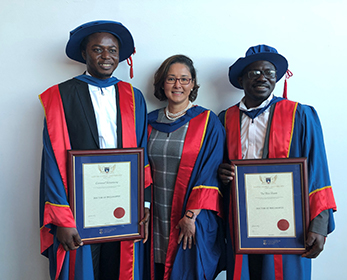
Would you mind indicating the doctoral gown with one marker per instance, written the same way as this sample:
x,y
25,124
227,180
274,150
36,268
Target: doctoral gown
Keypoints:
x,y
295,131
196,187
70,124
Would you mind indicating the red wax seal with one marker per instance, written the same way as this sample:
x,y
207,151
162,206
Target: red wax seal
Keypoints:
x,y
283,224
119,212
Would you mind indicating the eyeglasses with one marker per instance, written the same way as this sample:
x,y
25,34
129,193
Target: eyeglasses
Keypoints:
x,y
255,74
172,80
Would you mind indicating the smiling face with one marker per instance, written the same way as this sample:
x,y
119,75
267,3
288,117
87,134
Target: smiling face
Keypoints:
x,y
101,55
177,94
257,89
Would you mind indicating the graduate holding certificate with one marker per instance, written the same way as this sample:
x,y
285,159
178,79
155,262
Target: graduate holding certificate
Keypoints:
x,y
266,126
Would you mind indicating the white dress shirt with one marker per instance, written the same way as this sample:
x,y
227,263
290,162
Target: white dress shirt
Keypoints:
x,y
253,132
105,108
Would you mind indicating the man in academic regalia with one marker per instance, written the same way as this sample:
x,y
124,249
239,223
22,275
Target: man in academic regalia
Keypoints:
x,y
88,112
265,126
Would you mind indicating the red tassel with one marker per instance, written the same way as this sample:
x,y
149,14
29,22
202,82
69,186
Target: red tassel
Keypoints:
x,y
285,89
130,63
288,75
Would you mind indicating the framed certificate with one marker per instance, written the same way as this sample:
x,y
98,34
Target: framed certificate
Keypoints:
x,y
106,193
270,206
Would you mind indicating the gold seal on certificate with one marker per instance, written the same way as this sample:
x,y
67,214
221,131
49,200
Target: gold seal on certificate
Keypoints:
x,y
270,206
106,193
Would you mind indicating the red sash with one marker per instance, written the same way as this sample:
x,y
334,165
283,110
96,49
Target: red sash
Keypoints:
x,y
58,134
282,127
192,145
127,108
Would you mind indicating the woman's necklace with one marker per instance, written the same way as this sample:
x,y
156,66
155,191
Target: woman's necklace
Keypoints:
x,y
172,116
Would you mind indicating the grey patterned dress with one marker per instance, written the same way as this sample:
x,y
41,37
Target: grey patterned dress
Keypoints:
x,y
164,152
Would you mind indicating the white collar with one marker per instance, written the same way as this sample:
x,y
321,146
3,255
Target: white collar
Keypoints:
x,y
243,107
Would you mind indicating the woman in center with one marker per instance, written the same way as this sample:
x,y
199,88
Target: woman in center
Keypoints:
x,y
185,148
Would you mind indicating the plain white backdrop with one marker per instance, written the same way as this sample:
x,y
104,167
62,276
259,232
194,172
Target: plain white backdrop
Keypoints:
x,y
310,34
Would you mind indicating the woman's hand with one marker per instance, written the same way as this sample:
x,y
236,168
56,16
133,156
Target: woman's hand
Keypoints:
x,y
187,226
226,172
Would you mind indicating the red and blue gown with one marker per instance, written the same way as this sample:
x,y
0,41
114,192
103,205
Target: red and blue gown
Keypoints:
x,y
295,132
70,124
196,187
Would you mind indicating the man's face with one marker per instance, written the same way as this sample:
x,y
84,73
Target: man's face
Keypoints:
x,y
101,55
257,89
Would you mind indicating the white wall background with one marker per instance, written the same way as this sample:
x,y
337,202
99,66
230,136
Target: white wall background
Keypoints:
x,y
311,34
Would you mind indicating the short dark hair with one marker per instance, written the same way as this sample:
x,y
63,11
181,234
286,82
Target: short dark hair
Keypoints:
x,y
161,74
